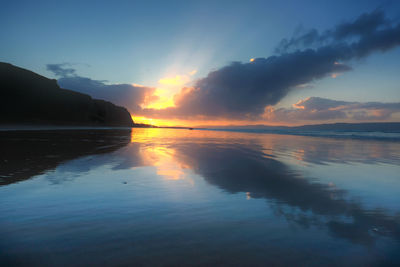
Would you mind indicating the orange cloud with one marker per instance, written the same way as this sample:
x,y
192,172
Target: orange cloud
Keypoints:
x,y
300,103
193,72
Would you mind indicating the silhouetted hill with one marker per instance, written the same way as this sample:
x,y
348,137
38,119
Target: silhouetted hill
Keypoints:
x,y
29,98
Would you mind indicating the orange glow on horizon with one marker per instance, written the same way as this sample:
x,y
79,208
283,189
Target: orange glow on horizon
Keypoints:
x,y
197,122
210,123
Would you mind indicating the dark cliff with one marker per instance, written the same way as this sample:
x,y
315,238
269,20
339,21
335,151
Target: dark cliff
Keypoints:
x,y
28,98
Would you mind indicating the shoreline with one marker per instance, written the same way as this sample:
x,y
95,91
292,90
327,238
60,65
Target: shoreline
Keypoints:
x,y
357,135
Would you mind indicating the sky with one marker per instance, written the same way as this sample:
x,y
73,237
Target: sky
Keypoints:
x,y
192,63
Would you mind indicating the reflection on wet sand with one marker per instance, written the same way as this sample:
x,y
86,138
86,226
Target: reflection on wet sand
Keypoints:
x,y
163,158
252,164
237,163
29,153
317,150
245,170
330,150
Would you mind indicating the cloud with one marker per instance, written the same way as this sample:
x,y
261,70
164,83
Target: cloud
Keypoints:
x,y
316,108
131,96
60,70
368,28
242,90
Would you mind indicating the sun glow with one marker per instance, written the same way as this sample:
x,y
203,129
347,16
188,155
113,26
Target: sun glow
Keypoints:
x,y
165,96
168,87
164,99
178,80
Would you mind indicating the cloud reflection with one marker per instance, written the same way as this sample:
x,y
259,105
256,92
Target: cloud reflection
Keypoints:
x,y
252,164
243,167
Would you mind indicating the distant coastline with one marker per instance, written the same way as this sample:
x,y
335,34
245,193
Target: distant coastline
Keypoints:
x,y
376,130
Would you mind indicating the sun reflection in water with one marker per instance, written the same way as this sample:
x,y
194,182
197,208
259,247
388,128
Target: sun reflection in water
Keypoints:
x,y
159,155
163,159
161,148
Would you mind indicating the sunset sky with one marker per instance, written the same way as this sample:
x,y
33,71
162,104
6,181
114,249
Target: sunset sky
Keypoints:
x,y
191,63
